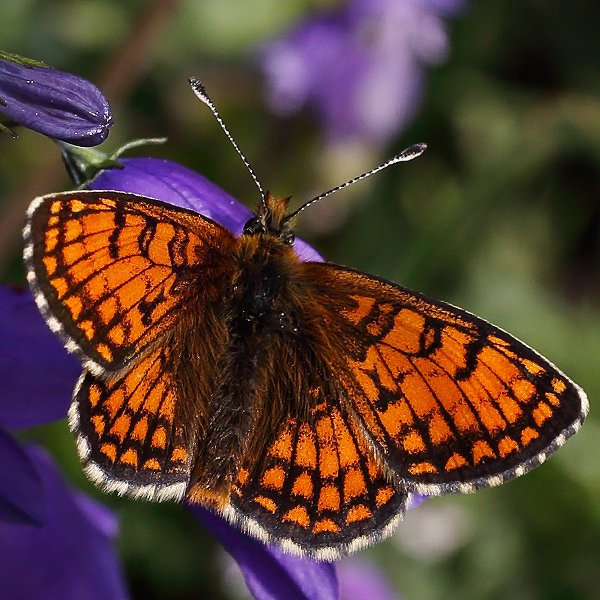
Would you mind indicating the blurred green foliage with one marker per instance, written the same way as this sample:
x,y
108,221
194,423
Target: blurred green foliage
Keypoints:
x,y
500,216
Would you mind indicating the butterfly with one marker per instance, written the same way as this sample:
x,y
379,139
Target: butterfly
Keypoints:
x,y
304,402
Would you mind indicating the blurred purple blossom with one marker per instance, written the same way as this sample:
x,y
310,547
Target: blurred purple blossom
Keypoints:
x,y
54,543
362,67
360,579
37,381
59,105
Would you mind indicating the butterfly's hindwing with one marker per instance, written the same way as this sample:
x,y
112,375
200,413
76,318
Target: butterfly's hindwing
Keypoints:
x,y
130,433
320,489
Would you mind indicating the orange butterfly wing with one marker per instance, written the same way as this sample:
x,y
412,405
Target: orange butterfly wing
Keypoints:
x,y
117,277
321,489
130,432
452,402
111,275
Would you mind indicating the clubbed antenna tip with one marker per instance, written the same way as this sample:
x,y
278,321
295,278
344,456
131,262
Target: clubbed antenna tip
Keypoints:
x,y
406,154
201,93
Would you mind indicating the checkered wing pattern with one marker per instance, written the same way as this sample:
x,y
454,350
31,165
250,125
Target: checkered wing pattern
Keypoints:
x,y
110,271
321,489
130,433
452,402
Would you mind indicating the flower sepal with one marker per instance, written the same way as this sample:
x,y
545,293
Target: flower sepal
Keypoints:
x,y
21,60
83,164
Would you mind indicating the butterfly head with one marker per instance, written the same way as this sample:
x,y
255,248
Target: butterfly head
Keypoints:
x,y
271,220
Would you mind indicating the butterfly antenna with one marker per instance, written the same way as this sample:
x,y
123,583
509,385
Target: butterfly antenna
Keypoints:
x,y
407,154
202,94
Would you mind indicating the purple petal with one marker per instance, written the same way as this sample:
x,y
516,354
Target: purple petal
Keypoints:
x,y
21,489
68,559
57,104
360,579
37,373
172,183
271,574
101,517
416,500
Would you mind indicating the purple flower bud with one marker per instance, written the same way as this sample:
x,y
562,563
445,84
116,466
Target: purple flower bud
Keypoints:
x,y
59,105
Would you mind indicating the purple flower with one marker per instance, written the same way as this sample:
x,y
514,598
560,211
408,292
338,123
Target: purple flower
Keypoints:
x,y
54,543
57,104
37,379
362,67
71,557
361,579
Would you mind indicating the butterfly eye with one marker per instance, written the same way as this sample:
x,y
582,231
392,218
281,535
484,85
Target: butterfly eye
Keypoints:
x,y
287,237
254,227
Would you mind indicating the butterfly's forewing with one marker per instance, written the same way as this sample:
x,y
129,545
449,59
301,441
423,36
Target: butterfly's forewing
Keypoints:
x,y
452,402
110,272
